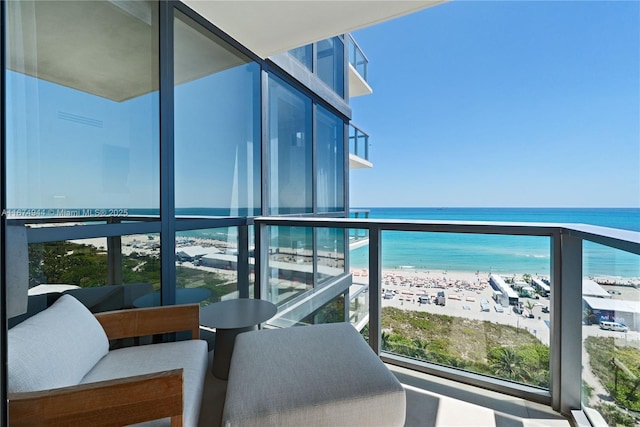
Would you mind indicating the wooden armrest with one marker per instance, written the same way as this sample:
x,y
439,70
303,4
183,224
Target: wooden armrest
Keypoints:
x,y
115,402
140,322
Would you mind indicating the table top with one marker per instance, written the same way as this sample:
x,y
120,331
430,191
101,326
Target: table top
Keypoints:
x,y
183,296
237,313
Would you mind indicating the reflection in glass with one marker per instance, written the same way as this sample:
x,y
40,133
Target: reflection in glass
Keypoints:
x,y
330,252
610,333
82,105
107,273
290,150
331,312
208,260
290,264
330,63
330,163
358,305
217,125
304,54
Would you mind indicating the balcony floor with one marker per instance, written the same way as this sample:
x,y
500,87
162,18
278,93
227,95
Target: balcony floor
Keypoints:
x,y
431,401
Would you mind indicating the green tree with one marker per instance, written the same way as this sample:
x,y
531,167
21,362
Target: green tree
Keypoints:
x,y
589,316
509,365
529,306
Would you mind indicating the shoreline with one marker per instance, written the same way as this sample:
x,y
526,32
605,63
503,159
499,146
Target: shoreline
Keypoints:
x,y
148,244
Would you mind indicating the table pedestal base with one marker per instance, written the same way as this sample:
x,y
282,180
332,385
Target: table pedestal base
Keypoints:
x,y
225,339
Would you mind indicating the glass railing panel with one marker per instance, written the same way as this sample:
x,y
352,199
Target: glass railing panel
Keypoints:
x,y
468,302
358,305
207,265
103,273
358,235
290,263
330,253
358,142
332,312
610,335
357,58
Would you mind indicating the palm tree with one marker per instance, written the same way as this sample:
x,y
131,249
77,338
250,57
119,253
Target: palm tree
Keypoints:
x,y
509,365
589,316
385,340
420,351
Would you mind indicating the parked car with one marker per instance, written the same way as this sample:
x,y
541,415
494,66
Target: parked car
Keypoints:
x,y
614,326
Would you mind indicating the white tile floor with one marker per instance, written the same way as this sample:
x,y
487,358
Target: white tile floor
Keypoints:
x,y
431,402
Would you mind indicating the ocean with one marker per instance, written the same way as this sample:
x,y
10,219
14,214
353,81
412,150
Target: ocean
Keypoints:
x,y
499,254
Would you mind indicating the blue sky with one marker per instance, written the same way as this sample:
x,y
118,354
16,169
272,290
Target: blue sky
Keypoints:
x,y
505,104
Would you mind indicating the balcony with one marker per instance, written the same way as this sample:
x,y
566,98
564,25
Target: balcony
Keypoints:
x,y
358,65
553,330
436,387
358,148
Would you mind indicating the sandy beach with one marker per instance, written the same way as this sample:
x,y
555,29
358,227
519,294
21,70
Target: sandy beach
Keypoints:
x,y
464,291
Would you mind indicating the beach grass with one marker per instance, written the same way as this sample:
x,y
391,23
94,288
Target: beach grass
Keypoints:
x,y
475,345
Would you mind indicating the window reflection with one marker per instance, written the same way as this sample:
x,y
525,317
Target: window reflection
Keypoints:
x,y
330,63
330,164
217,125
290,150
290,263
82,106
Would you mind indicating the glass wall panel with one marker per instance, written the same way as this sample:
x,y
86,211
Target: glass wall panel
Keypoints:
x,y
217,125
330,63
290,263
304,54
330,161
290,150
330,253
82,106
207,264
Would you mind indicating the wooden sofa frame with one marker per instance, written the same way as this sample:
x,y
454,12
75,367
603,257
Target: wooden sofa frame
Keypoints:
x,y
119,401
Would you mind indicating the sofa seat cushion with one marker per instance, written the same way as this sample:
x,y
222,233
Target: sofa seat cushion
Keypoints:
x,y
189,355
55,348
321,375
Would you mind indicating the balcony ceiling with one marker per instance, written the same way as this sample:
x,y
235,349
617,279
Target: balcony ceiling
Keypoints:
x,y
269,27
109,49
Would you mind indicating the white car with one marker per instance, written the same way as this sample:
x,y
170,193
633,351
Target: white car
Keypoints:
x,y
613,326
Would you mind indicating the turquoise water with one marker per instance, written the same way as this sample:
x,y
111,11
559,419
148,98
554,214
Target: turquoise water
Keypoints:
x,y
501,254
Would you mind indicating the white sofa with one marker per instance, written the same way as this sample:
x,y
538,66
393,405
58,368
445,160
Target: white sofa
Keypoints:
x,y
60,368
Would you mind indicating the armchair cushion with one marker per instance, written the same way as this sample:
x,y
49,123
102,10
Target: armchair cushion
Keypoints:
x,y
55,348
189,355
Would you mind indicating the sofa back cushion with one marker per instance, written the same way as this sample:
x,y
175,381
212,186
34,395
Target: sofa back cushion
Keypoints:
x,y
55,348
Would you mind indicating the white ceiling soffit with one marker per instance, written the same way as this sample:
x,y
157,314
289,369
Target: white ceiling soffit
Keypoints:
x,y
269,27
108,49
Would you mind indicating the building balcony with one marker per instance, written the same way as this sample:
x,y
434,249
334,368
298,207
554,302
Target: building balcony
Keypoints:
x,y
358,148
358,65
552,321
450,355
